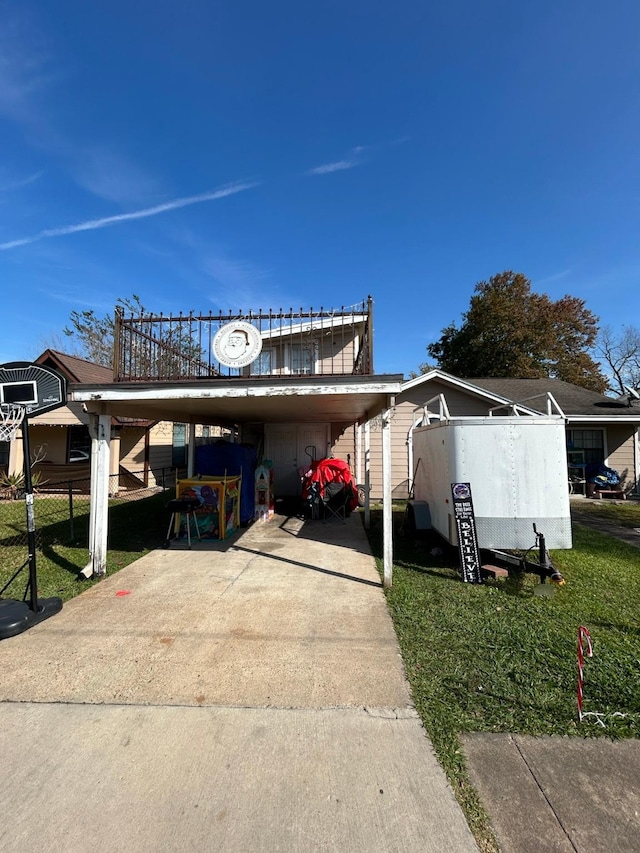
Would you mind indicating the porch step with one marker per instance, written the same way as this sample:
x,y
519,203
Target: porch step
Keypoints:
x,y
494,571
618,494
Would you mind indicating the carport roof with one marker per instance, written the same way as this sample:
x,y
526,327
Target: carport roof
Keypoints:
x,y
343,399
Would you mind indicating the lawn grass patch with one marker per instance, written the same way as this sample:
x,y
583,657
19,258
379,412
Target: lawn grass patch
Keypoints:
x,y
497,657
135,528
624,513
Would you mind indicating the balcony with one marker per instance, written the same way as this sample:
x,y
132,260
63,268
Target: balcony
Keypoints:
x,y
277,344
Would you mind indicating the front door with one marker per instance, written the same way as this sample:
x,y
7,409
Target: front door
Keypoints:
x,y
291,448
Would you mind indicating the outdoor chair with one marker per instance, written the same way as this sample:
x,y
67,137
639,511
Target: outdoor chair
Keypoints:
x,y
328,490
337,499
185,507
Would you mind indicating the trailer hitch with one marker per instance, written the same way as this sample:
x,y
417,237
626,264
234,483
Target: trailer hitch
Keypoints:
x,y
544,568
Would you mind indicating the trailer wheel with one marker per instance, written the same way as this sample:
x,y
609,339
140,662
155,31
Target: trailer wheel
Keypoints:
x,y
362,495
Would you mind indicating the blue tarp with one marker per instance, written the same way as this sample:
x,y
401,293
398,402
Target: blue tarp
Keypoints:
x,y
216,460
602,476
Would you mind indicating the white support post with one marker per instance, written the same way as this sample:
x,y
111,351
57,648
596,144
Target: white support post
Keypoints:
x,y
636,459
367,475
191,451
100,431
387,507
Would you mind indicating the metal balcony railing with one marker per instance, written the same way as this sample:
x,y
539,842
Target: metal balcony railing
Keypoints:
x,y
152,348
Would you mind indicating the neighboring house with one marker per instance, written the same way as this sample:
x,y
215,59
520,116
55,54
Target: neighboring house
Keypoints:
x,y
61,443
599,429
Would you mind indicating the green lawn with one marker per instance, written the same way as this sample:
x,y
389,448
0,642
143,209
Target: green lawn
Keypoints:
x,y
497,657
494,657
626,513
134,528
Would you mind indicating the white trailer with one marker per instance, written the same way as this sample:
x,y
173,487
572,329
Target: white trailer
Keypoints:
x,y
516,466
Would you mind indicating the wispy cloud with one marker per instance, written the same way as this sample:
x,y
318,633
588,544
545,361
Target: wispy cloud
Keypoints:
x,y
30,69
356,156
111,175
25,65
75,298
20,182
95,224
338,166
551,279
216,271
242,278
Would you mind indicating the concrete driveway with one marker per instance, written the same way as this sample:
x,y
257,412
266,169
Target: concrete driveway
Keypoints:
x,y
244,696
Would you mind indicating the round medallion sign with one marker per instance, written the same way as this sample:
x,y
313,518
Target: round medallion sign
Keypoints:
x,y
237,344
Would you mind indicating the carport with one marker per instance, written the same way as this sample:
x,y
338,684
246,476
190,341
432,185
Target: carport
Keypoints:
x,y
237,402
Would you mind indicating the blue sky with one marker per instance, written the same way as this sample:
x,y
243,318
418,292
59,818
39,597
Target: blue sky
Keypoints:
x,y
237,155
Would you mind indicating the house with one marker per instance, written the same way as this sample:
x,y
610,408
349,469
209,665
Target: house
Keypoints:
x,y
291,384
599,429
287,345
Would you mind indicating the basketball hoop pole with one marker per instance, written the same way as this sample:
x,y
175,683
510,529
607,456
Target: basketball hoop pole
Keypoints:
x,y
31,522
27,388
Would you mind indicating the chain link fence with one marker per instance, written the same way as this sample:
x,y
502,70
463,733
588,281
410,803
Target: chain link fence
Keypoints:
x,y
61,512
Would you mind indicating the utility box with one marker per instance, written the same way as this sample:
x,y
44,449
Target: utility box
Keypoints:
x,y
517,470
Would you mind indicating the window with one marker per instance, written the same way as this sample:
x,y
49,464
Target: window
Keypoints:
x,y
301,358
179,446
79,449
590,441
287,358
265,363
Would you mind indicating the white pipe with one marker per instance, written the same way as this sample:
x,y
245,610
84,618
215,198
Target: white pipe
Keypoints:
x,y
415,424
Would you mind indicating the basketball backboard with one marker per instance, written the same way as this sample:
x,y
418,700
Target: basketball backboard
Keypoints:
x,y
36,387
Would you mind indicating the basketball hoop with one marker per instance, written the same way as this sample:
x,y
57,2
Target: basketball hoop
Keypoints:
x,y
11,416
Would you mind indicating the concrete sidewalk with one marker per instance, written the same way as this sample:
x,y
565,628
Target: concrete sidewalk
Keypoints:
x,y
558,794
245,697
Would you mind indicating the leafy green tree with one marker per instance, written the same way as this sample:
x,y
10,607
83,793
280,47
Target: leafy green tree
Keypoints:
x,y
509,331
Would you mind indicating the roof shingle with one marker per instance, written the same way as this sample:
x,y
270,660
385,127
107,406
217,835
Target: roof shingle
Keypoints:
x,y
572,399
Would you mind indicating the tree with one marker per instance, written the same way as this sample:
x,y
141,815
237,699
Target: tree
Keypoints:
x,y
159,347
92,336
620,354
509,331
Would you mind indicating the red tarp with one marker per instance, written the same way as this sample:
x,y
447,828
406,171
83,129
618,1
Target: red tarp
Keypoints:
x,y
326,471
